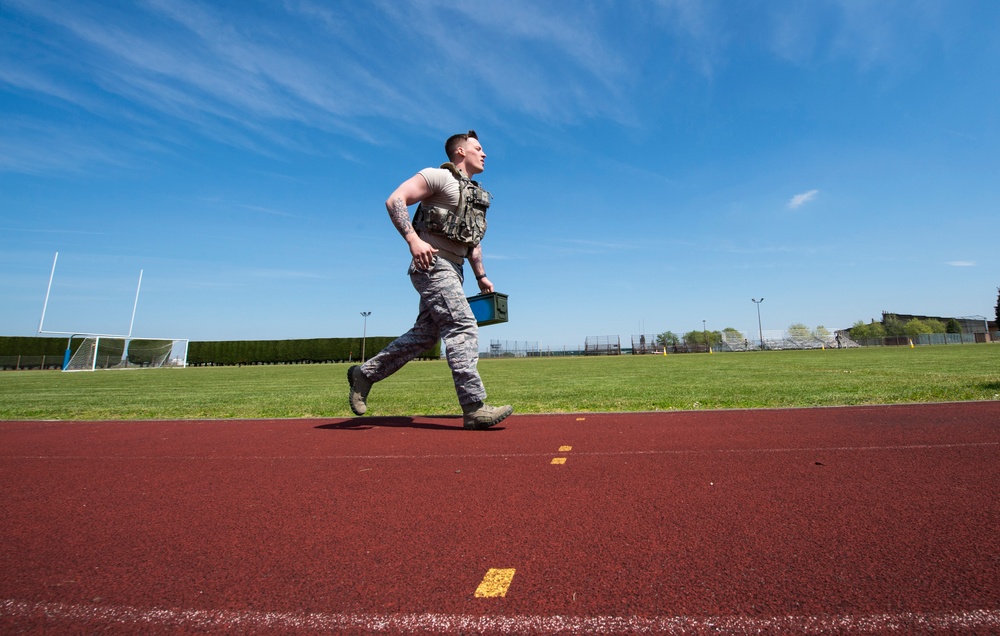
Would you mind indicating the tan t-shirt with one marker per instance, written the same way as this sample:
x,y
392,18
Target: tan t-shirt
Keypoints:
x,y
444,194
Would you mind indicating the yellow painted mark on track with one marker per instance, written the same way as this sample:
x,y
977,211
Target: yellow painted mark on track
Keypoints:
x,y
495,583
580,419
562,460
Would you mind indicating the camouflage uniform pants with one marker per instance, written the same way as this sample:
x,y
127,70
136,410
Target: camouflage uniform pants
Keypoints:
x,y
444,314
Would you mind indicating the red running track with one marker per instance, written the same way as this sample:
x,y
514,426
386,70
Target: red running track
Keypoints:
x,y
841,520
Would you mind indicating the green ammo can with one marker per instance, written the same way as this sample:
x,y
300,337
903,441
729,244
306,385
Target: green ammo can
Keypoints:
x,y
489,309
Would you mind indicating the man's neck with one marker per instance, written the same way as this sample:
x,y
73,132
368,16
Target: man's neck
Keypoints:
x,y
459,170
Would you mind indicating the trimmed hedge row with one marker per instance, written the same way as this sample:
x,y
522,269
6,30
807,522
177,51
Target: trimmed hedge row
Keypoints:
x,y
33,352
34,346
313,350
232,352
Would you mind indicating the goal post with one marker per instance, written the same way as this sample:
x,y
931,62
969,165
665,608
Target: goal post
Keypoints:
x,y
108,351
116,352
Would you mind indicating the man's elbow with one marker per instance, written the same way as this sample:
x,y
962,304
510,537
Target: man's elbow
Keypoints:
x,y
394,202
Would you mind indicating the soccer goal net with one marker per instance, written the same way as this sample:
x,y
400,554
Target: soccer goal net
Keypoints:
x,y
104,352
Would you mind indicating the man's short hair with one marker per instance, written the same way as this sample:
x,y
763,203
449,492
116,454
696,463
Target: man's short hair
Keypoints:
x,y
455,141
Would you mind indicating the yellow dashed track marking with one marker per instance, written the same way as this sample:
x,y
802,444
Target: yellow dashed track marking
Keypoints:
x,y
495,583
562,460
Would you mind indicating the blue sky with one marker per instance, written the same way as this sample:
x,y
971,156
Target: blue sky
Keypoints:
x,y
654,164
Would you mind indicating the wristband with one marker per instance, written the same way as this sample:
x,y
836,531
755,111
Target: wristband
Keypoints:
x,y
481,277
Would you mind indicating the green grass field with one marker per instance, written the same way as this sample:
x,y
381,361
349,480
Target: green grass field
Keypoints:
x,y
888,375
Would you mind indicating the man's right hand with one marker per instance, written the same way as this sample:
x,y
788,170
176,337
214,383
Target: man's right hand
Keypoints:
x,y
423,253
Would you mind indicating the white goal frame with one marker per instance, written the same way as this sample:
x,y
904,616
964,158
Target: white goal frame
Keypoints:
x,y
174,360
109,352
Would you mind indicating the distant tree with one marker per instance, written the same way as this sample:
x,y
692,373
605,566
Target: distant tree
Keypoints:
x,y
893,325
711,338
821,332
914,327
953,327
877,330
667,339
935,326
731,334
859,330
798,330
863,330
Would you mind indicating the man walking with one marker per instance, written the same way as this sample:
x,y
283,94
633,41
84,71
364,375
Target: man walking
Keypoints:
x,y
447,227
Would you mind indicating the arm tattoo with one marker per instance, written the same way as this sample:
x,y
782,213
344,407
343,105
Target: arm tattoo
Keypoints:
x,y
476,256
476,260
400,217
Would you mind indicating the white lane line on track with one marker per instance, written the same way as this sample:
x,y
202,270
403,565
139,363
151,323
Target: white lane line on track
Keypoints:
x,y
810,449
51,613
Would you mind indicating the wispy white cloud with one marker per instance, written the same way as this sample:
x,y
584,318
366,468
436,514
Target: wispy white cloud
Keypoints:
x,y
493,59
801,199
961,263
587,246
233,79
31,80
283,274
183,70
32,230
870,34
179,71
270,211
31,147
700,30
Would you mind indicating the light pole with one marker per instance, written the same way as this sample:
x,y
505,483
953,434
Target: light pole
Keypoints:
x,y
364,335
704,333
759,328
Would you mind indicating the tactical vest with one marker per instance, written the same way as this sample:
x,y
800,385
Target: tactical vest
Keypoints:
x,y
467,223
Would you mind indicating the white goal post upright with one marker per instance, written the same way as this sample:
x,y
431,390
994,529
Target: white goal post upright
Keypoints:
x,y
135,304
47,292
116,351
